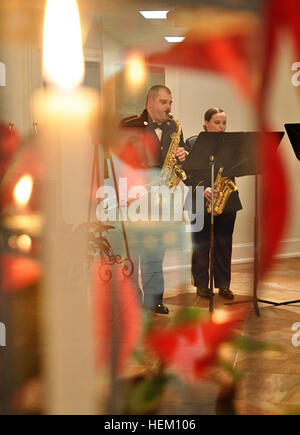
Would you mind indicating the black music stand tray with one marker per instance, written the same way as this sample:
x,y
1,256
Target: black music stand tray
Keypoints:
x,y
293,132
235,152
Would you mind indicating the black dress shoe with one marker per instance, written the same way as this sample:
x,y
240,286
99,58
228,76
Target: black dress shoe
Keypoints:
x,y
160,309
204,292
226,293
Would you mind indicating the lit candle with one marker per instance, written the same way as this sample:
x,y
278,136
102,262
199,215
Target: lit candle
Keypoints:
x,y
23,190
63,112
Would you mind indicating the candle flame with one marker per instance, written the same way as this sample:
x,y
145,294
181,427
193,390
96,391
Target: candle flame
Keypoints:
x,y
23,189
24,243
135,69
62,44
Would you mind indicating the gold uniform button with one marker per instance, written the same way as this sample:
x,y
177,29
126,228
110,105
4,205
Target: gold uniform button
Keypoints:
x,y
145,123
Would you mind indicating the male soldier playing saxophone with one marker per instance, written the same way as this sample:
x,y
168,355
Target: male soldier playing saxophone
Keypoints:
x,y
156,120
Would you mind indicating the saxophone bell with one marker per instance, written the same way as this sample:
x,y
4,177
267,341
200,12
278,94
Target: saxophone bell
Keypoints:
x,y
223,187
180,173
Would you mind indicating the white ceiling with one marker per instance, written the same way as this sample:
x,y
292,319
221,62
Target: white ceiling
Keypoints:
x,y
122,21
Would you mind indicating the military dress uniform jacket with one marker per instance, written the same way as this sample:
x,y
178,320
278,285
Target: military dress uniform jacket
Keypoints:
x,y
144,122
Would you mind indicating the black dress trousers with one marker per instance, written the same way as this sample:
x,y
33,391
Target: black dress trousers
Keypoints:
x,y
223,231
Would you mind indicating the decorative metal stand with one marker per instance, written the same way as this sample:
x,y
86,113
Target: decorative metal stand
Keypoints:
x,y
107,257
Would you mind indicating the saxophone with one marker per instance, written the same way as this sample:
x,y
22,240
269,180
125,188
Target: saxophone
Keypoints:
x,y
171,173
224,187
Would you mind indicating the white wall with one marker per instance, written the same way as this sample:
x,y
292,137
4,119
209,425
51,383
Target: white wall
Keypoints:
x,y
23,74
113,57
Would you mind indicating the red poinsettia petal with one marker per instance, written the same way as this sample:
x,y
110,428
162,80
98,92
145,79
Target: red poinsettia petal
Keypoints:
x,y
225,55
136,147
203,365
222,325
189,350
117,318
275,193
274,205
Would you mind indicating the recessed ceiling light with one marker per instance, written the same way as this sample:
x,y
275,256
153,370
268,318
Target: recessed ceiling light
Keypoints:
x,y
174,38
154,15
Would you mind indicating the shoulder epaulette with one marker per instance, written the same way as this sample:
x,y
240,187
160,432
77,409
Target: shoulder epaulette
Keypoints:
x,y
131,118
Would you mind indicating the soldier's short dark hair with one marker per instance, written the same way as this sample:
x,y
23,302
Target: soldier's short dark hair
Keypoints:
x,y
154,90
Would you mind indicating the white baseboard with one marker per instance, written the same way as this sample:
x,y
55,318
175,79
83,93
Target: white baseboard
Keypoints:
x,y
241,253
289,248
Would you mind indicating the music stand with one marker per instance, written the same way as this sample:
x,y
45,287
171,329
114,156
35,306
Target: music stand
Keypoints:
x,y
293,132
197,167
235,152
210,149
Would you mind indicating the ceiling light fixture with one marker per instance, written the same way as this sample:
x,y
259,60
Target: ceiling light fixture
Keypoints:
x,y
154,15
174,38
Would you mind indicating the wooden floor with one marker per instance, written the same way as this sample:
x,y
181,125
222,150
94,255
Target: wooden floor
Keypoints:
x,y
270,382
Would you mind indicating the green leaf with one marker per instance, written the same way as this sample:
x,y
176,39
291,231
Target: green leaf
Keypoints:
x,y
137,355
146,395
147,322
236,374
188,315
249,344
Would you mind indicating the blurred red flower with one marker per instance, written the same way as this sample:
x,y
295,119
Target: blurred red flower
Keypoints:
x,y
27,160
117,318
190,350
136,146
225,54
